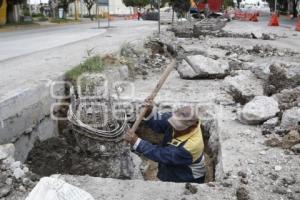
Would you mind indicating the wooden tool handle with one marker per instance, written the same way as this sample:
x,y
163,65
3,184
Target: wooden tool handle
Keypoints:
x,y
154,93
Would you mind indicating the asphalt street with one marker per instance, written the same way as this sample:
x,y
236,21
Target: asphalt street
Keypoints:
x,y
29,57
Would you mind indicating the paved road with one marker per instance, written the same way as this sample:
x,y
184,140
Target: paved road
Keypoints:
x,y
24,42
28,41
38,55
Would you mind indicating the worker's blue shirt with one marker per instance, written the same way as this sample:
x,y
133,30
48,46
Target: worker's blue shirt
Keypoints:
x,y
180,159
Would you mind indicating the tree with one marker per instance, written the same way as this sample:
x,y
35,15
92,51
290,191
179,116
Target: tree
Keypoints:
x,y
10,9
279,2
136,3
65,5
239,3
181,6
228,3
162,3
89,4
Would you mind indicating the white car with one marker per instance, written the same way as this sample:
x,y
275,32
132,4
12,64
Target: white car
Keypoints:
x,y
260,6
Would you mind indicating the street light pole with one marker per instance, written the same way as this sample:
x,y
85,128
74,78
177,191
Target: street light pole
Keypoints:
x,y
108,15
158,17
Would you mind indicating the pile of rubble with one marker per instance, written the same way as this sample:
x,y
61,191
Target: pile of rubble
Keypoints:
x,y
267,94
257,50
147,57
16,181
213,27
272,100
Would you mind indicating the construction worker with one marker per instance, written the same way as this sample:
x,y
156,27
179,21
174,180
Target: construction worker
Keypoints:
x,y
180,154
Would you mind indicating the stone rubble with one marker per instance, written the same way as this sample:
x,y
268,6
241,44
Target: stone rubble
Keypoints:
x,y
16,181
243,86
291,119
257,50
258,110
283,76
288,98
196,67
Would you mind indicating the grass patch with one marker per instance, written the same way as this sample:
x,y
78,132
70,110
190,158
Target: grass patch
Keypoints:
x,y
10,24
92,64
62,21
42,19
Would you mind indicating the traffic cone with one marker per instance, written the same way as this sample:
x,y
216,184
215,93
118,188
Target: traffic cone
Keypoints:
x,y
298,24
254,18
274,20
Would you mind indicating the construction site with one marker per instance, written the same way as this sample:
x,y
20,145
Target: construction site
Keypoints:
x,y
76,130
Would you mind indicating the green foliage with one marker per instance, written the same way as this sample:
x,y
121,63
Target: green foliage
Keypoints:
x,y
162,3
65,4
228,3
61,21
42,19
37,15
136,3
92,64
14,2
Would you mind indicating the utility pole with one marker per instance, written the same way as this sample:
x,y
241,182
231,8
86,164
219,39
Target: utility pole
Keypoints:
x,y
76,10
81,16
158,17
108,15
29,7
97,15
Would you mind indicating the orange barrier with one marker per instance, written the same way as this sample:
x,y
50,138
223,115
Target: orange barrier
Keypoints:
x,y
274,20
298,24
246,16
133,16
254,17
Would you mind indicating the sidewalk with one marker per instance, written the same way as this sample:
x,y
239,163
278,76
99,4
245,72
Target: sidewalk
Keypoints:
x,y
46,24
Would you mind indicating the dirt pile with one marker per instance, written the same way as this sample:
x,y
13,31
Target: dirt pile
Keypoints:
x,y
63,156
144,58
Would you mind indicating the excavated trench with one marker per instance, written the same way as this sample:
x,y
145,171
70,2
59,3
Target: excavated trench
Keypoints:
x,y
78,154
92,147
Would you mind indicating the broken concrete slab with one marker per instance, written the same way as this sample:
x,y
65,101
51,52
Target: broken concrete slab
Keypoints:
x,y
269,126
288,98
235,64
109,189
202,68
291,119
7,151
283,76
258,110
185,71
296,148
183,30
243,86
208,26
261,70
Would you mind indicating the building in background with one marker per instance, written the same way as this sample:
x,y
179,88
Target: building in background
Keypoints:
x,y
116,7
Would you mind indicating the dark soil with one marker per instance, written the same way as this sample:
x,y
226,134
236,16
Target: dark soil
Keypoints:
x,y
61,155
